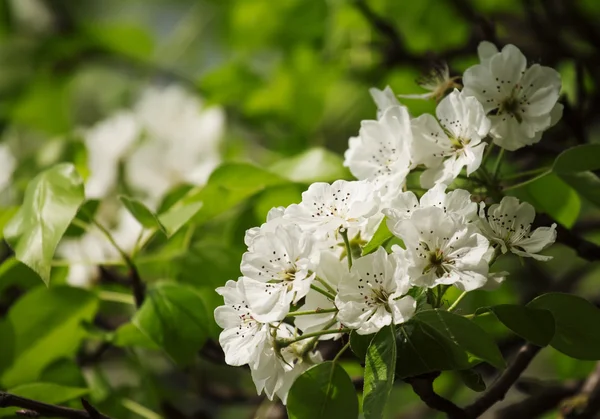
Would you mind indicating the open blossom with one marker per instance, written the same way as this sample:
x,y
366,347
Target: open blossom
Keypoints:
x,y
520,101
372,296
243,338
456,203
331,271
384,99
453,143
327,207
274,373
277,271
274,219
381,152
509,225
442,249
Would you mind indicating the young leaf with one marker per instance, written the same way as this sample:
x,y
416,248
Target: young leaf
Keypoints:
x,y
142,213
380,365
576,322
174,317
178,216
587,184
380,238
464,333
577,159
536,326
555,197
50,204
324,391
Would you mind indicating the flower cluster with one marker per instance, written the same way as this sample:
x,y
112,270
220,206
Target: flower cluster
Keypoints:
x,y
309,275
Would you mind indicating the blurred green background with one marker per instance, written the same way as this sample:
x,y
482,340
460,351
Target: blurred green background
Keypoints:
x,y
291,75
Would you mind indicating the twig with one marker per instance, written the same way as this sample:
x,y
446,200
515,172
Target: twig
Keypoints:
x,y
585,249
586,403
422,385
540,402
47,410
499,389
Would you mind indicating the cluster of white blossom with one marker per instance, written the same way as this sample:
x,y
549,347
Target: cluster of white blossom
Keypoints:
x,y
304,276
165,140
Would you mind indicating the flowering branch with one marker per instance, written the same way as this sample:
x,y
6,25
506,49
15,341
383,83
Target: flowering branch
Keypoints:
x,y
287,342
322,291
40,409
344,233
310,312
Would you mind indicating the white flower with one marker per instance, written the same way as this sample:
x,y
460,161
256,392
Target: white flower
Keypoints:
x,y
274,219
381,152
371,297
181,143
331,270
521,102
437,81
509,225
456,203
243,338
442,249
274,373
454,143
384,99
325,208
107,143
277,271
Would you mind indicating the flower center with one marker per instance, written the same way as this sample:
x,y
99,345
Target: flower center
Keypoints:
x,y
511,105
459,143
436,261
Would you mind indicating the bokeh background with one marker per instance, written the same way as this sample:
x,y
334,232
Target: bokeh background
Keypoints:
x,y
286,77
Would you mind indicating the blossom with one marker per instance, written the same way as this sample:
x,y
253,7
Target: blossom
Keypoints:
x,y
509,225
328,207
453,143
384,99
107,143
520,101
243,338
277,271
381,152
331,270
372,296
456,203
276,369
438,82
442,249
274,219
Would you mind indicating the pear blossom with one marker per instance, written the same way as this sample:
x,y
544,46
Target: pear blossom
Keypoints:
x,y
381,152
520,101
508,224
456,203
274,219
328,207
442,249
373,295
384,99
276,369
331,271
453,143
278,271
437,81
243,338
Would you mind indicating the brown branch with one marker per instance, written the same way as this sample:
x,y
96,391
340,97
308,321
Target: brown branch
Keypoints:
x,y
539,402
138,286
499,389
48,410
422,385
586,403
585,249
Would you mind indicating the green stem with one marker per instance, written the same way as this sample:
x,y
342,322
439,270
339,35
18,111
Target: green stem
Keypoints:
x,y
339,354
322,291
527,173
497,165
326,285
457,301
287,342
528,181
344,233
310,312
487,154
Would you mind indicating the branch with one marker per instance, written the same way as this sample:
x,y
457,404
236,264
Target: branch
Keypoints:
x,y
422,385
49,410
585,249
586,403
499,389
539,402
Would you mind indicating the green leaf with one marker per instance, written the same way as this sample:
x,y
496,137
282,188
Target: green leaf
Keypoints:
x,y
46,393
359,344
550,194
576,322
536,326
129,40
47,326
587,184
229,185
277,196
577,159
314,165
128,335
380,365
174,317
178,216
464,333
141,213
85,214
6,213
380,238
324,391
51,202
472,379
